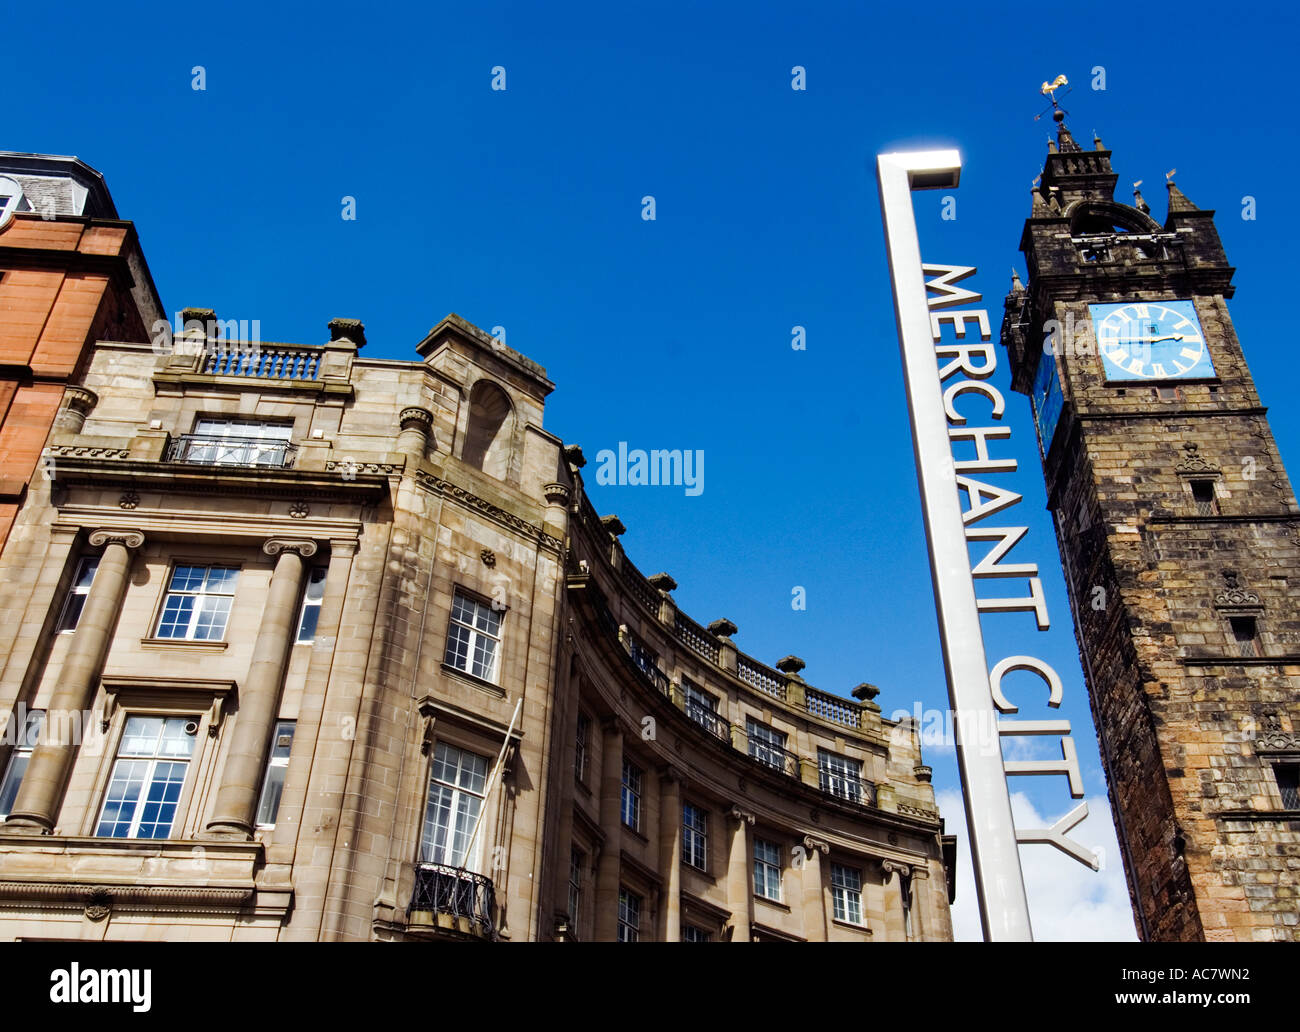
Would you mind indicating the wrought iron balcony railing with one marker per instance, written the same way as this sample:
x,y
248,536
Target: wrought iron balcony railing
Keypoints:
x,y
215,450
458,893
648,663
774,756
847,787
708,719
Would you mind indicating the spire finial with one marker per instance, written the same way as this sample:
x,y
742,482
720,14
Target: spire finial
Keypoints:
x,y
1177,199
1063,138
1140,204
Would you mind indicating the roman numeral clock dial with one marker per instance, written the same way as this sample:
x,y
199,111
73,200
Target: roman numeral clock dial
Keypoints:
x,y
1151,340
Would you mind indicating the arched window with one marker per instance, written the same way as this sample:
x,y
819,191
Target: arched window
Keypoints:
x,y
487,439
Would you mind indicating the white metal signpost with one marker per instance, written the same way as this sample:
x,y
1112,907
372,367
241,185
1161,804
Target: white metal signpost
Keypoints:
x,y
940,365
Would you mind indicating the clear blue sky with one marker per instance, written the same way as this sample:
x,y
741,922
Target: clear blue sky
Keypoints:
x,y
523,209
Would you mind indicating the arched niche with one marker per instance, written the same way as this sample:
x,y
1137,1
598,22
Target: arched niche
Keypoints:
x,y
489,430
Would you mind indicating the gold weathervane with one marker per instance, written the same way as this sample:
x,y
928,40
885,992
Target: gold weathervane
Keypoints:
x,y
1048,89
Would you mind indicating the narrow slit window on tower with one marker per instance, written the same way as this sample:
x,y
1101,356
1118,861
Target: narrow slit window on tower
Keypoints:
x,y
1203,495
1246,635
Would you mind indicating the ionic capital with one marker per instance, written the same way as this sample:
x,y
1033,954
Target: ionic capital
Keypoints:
x,y
894,867
741,816
112,536
816,845
304,547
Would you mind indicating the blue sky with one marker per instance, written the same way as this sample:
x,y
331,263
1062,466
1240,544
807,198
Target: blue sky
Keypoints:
x,y
522,209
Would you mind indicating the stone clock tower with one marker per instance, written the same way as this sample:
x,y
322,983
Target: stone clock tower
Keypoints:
x,y
1180,538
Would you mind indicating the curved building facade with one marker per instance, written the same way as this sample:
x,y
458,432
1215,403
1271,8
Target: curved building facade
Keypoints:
x,y
299,644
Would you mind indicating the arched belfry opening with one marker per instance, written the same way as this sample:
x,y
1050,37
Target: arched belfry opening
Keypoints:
x,y
487,437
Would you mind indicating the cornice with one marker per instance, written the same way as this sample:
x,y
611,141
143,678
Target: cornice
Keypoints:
x,y
162,523
437,485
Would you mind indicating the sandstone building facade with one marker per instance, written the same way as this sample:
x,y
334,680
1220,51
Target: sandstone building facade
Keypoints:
x,y
299,644
1179,531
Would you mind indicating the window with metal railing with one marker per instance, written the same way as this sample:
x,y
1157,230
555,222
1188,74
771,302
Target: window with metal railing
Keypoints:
x,y
702,708
443,889
767,746
841,777
235,442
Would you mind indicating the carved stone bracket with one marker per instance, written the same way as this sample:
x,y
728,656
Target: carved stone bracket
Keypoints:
x,y
742,816
814,845
1235,597
1277,742
1194,465
430,716
556,494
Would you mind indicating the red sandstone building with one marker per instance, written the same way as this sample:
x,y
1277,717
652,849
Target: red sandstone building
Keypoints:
x,y
71,273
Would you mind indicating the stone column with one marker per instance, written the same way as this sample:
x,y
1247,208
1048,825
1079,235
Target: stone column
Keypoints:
x,y
670,854
739,892
893,882
51,762
259,695
920,903
611,824
814,897
416,433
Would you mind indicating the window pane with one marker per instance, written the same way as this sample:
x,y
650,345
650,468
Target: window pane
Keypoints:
x,y
211,624
140,736
160,803
175,622
458,781
123,794
12,780
316,584
72,612
307,626
187,578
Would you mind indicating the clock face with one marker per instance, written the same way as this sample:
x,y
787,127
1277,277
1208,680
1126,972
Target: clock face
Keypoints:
x,y
1047,401
1151,340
